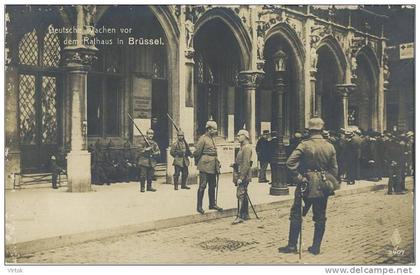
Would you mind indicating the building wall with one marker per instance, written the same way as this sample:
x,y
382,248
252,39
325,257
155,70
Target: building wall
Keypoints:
x,y
303,30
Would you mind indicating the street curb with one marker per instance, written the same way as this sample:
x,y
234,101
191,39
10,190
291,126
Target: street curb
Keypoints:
x,y
18,249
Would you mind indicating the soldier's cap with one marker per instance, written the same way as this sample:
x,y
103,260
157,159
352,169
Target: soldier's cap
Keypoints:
x,y
150,131
211,124
243,132
52,157
298,135
266,132
316,123
180,133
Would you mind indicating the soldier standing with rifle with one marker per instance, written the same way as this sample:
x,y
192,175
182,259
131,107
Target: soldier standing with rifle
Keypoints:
x,y
205,155
180,151
313,165
148,153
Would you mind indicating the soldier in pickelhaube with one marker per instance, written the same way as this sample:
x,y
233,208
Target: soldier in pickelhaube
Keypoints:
x,y
205,155
180,151
242,175
313,165
148,153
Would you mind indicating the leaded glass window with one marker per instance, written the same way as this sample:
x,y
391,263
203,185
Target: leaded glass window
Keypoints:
x,y
27,108
51,52
28,49
49,111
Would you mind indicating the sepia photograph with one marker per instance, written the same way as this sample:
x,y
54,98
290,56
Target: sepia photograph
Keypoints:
x,y
210,134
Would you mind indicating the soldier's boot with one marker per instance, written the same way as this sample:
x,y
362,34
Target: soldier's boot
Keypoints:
x,y
212,200
318,234
294,230
239,213
149,186
403,189
175,183
244,209
390,185
200,195
184,182
54,182
142,185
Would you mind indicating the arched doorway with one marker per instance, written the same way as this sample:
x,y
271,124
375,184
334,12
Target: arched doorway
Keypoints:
x,y
282,44
132,77
330,72
363,102
217,64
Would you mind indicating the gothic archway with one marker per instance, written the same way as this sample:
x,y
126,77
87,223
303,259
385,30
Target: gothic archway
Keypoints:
x,y
133,77
282,40
363,102
219,57
331,68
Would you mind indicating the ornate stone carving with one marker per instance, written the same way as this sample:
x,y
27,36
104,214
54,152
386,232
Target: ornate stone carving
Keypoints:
x,y
313,58
89,13
319,31
250,79
272,15
76,57
189,53
357,42
260,42
386,69
345,89
189,32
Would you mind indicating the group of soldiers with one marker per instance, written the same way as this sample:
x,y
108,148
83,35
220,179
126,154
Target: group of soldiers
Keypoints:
x,y
361,155
318,161
110,164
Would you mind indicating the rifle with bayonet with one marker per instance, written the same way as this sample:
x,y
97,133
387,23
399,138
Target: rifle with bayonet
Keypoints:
x,y
138,129
177,130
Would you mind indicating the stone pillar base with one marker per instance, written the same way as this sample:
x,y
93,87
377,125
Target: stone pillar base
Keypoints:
x,y
12,166
278,191
78,171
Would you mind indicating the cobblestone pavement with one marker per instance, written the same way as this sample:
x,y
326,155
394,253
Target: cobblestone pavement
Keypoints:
x,y
361,229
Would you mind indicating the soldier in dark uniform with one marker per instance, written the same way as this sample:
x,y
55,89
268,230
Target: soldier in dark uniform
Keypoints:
x,y
264,155
353,158
242,172
312,164
205,155
56,170
180,151
130,161
99,158
148,153
395,160
273,149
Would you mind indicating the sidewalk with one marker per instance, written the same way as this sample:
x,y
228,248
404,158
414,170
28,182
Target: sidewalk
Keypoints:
x,y
44,218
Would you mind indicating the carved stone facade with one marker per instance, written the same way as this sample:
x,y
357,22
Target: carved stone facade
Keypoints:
x,y
308,29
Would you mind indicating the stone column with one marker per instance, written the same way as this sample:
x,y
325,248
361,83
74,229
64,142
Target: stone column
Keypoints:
x,y
11,107
314,107
385,110
344,90
11,126
77,61
279,177
250,80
